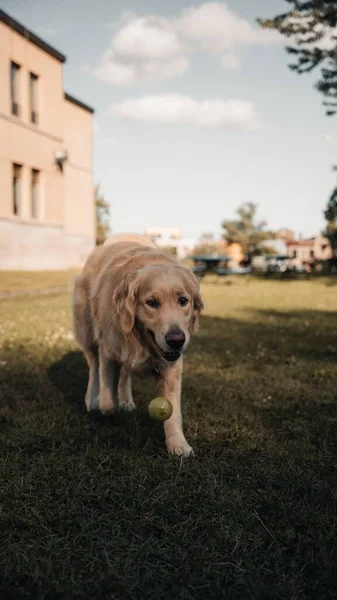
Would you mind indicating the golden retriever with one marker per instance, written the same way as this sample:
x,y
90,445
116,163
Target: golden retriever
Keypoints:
x,y
134,309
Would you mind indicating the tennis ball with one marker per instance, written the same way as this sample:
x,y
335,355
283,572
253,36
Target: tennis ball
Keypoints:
x,y
160,408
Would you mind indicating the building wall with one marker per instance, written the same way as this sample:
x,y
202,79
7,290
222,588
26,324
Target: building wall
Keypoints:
x,y
171,239
322,248
33,150
235,252
63,232
32,246
317,248
79,186
14,47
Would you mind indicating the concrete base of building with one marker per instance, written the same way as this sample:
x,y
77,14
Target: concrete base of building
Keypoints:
x,y
33,246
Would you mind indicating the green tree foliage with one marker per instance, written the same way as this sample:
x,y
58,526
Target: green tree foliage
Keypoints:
x,y
246,229
102,217
268,250
331,217
311,27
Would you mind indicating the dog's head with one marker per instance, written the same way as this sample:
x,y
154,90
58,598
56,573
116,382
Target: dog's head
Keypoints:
x,y
161,304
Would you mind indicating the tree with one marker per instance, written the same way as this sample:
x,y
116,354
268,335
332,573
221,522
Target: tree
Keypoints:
x,y
312,25
331,217
206,245
268,250
246,230
102,217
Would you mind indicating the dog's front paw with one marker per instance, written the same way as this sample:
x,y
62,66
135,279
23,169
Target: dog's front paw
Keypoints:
x,y
91,402
126,403
106,403
127,406
178,446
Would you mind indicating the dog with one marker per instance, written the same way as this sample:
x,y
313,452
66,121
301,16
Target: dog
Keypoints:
x,y
136,238
134,310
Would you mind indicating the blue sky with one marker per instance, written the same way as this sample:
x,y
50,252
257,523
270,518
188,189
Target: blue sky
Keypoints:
x,y
196,111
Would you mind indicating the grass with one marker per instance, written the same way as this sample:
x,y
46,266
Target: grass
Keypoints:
x,y
92,507
19,281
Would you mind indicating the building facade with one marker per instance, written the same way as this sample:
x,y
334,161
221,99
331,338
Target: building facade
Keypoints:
x,y
47,208
308,251
171,239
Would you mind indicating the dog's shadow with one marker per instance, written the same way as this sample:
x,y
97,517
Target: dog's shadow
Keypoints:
x,y
70,376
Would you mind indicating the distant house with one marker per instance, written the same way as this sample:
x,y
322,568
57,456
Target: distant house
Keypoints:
x,y
234,251
171,238
47,208
306,251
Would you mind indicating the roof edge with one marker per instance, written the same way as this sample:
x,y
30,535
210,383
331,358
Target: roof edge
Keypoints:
x,y
29,35
73,100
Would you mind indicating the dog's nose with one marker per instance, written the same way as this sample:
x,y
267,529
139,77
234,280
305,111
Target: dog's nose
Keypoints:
x,y
175,338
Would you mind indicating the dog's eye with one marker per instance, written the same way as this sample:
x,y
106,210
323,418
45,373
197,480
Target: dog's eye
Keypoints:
x,y
183,301
152,302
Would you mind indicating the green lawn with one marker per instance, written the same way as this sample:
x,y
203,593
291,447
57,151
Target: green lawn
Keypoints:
x,y
18,281
92,507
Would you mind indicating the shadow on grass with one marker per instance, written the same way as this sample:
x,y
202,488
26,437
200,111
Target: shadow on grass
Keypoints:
x,y
70,376
248,384
307,335
93,508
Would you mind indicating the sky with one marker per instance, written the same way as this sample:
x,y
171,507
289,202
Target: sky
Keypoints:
x,y
196,111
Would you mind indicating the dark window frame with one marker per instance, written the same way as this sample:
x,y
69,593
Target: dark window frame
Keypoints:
x,y
15,69
34,193
33,98
16,188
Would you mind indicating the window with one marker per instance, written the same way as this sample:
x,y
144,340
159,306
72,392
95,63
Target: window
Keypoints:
x,y
15,76
295,254
16,188
33,83
312,254
35,177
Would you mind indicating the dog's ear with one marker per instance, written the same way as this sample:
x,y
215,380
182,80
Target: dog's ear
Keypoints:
x,y
198,305
124,301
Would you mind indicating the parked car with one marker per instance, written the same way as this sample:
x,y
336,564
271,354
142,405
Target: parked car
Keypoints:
x,y
283,264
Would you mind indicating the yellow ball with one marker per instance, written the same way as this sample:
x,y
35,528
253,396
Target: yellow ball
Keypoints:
x,y
160,408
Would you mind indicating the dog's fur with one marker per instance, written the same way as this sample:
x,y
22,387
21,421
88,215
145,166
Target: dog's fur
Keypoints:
x,y
129,298
135,238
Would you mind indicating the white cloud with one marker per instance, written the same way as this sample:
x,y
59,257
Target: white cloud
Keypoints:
x,y
171,108
143,50
218,28
152,48
221,31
